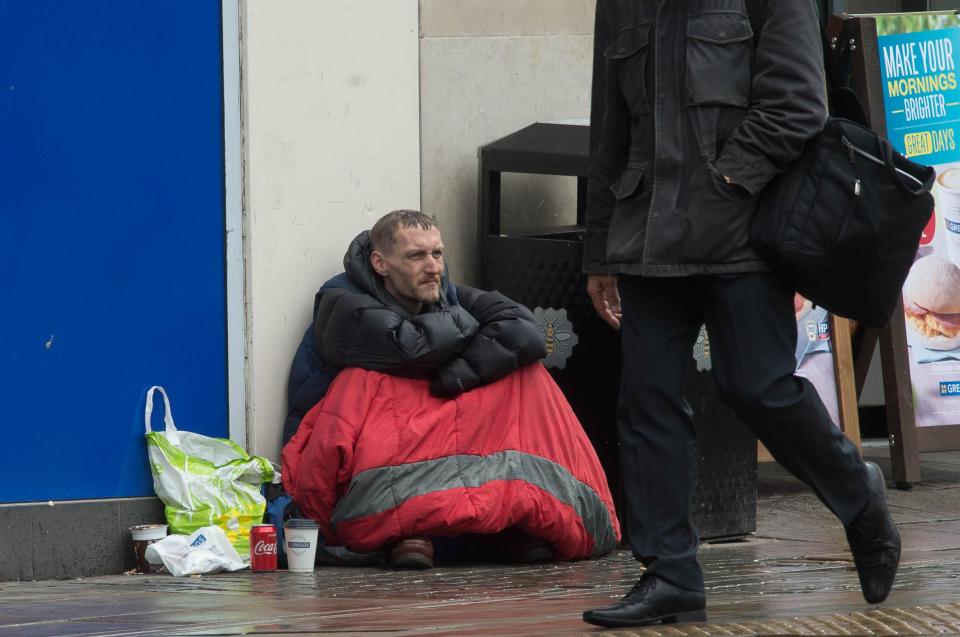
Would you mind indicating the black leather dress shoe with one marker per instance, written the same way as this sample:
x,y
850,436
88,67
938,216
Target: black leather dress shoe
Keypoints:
x,y
875,543
652,601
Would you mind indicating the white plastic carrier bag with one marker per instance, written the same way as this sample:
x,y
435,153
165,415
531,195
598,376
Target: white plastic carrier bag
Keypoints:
x,y
204,551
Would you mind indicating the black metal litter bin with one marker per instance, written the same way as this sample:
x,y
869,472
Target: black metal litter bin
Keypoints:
x,y
541,269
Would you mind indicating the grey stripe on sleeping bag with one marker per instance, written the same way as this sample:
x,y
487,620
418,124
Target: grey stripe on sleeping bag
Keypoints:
x,y
377,490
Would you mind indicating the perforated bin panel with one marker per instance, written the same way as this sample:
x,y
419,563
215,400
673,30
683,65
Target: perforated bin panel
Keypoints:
x,y
545,273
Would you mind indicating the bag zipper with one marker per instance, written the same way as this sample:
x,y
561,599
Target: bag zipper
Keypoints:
x,y
853,151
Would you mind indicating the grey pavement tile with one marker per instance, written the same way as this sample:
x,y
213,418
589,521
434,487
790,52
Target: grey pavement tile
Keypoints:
x,y
945,458
932,503
933,536
64,629
940,619
937,470
799,518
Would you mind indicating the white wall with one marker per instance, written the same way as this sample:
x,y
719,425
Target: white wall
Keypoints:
x,y
489,68
339,96
331,126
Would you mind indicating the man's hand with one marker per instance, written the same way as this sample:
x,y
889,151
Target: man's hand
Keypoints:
x,y
602,289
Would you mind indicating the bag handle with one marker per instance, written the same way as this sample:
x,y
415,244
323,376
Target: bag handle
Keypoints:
x,y
889,155
167,413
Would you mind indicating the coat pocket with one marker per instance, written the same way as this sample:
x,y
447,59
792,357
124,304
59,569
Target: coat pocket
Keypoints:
x,y
628,184
719,46
628,54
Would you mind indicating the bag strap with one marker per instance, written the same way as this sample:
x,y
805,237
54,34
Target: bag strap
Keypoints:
x,y
167,413
842,100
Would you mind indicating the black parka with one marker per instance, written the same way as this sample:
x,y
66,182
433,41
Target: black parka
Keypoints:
x,y
467,339
685,93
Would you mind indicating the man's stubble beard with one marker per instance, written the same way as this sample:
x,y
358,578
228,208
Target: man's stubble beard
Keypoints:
x,y
418,294
430,297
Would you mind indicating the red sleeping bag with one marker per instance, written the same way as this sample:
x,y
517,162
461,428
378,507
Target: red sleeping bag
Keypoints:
x,y
379,459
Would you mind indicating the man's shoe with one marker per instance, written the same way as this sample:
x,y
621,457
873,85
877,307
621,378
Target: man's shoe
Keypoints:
x,y
875,543
513,546
413,552
652,601
531,551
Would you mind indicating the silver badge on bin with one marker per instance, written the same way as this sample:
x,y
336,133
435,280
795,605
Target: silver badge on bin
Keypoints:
x,y
558,335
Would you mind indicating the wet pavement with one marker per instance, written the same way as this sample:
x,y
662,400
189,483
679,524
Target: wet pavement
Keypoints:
x,y
793,577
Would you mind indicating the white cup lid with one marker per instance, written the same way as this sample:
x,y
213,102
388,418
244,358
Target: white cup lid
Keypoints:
x,y
149,531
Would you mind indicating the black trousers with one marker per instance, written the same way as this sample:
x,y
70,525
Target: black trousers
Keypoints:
x,y
752,329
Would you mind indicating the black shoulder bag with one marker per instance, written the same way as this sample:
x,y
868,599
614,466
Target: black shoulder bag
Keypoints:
x,y
842,224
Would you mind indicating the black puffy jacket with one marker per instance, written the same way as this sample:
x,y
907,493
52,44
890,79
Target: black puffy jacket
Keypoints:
x,y
467,339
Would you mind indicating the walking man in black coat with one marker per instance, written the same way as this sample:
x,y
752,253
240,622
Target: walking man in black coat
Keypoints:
x,y
696,106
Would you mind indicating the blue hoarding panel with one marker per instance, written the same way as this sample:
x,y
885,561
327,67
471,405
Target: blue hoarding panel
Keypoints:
x,y
111,237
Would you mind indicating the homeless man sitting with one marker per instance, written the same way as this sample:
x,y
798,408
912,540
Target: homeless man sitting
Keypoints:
x,y
419,410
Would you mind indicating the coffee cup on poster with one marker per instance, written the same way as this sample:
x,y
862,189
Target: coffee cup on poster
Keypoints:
x,y
948,185
143,536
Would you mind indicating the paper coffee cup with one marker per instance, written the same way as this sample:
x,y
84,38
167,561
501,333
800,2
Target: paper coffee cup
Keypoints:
x,y
948,186
149,531
300,541
143,536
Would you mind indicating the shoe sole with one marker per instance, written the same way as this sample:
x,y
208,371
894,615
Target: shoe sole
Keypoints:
x,y
540,555
673,618
413,561
875,468
882,598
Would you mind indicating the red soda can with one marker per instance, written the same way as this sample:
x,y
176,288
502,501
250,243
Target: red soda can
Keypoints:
x,y
263,547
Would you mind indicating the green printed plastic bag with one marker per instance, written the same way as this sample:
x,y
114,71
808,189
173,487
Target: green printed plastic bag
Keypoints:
x,y
205,481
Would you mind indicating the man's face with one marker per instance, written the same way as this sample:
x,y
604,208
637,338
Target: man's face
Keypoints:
x,y
411,270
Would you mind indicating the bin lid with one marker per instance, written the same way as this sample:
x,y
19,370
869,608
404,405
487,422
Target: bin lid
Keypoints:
x,y
554,149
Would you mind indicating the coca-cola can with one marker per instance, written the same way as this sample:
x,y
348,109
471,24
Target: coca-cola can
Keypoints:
x,y
263,548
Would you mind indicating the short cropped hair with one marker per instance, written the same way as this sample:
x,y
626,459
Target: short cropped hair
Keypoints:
x,y
383,235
